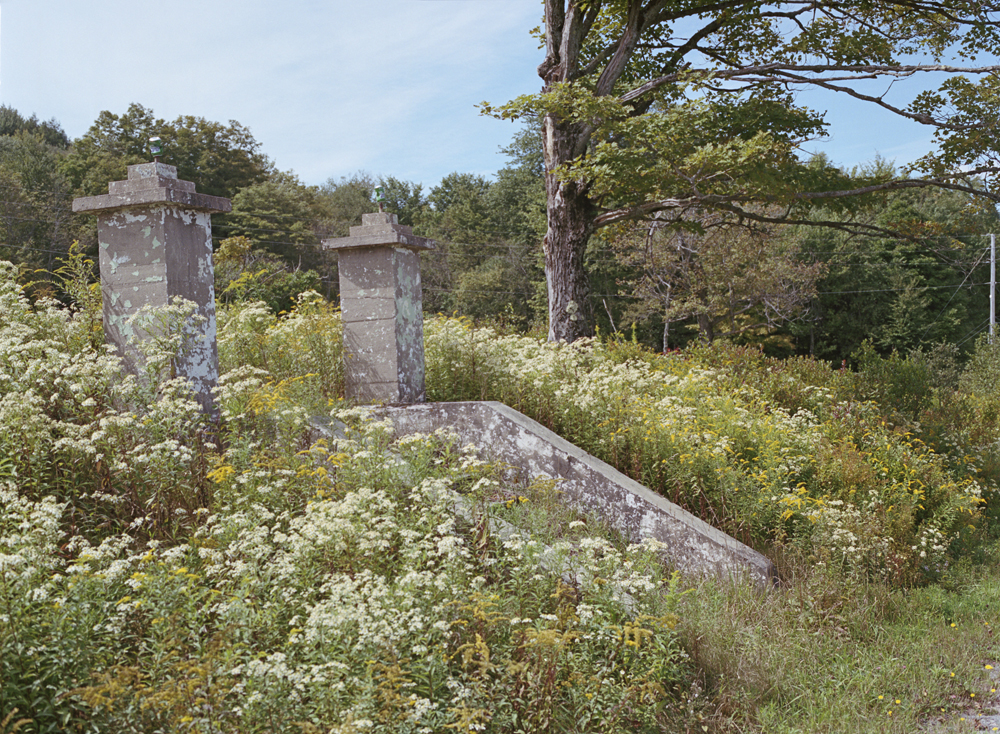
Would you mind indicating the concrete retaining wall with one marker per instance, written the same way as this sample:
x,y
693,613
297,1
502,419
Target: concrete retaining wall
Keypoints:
x,y
503,434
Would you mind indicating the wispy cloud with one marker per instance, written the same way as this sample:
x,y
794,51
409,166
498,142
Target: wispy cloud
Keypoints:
x,y
327,87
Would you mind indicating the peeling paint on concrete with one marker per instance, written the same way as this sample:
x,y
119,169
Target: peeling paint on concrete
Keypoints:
x,y
504,434
155,235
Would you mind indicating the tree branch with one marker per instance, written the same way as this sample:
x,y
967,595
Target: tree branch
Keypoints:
x,y
852,228
554,20
907,183
732,204
784,73
627,42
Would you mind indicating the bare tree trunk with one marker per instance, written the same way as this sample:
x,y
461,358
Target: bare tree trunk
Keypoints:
x,y
570,225
706,327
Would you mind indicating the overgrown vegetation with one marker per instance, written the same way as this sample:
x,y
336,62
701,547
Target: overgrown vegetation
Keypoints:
x,y
783,453
908,270
289,572
157,574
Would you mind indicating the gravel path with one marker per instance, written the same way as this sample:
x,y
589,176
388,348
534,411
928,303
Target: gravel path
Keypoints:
x,y
984,717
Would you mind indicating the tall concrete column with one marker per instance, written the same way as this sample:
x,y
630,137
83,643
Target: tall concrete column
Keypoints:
x,y
155,239
381,305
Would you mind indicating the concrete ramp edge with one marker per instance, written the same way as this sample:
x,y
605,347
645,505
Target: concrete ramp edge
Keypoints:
x,y
589,484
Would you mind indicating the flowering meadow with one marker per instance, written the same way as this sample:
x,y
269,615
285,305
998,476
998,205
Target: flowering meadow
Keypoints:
x,y
161,574
775,452
297,568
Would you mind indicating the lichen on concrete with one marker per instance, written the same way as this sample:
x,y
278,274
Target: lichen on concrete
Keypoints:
x,y
155,240
382,311
503,434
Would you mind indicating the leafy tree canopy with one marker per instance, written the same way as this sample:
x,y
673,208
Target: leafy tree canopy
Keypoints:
x,y
913,289
405,199
730,280
344,200
279,215
12,122
36,226
653,105
221,159
460,212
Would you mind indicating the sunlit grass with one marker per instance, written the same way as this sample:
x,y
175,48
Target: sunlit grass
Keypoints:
x,y
824,656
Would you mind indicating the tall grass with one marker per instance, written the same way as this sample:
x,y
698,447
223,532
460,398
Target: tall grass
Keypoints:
x,y
829,657
779,454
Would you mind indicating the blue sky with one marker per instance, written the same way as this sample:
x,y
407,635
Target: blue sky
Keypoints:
x,y
328,87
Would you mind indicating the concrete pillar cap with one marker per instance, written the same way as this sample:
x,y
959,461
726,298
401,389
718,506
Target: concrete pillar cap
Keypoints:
x,y
148,184
379,229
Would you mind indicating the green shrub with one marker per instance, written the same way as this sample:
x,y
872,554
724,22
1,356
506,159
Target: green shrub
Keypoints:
x,y
246,275
903,386
765,450
301,349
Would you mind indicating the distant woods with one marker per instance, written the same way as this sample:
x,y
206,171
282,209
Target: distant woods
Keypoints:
x,y
791,290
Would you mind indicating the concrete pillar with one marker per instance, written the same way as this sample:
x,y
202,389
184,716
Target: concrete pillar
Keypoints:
x,y
381,305
155,239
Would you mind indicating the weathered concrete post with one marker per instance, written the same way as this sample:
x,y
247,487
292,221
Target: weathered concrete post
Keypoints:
x,y
381,305
155,239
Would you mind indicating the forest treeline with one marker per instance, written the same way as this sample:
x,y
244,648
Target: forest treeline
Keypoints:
x,y
910,274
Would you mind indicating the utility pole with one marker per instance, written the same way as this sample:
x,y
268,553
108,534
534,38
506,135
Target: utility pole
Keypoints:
x,y
993,284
